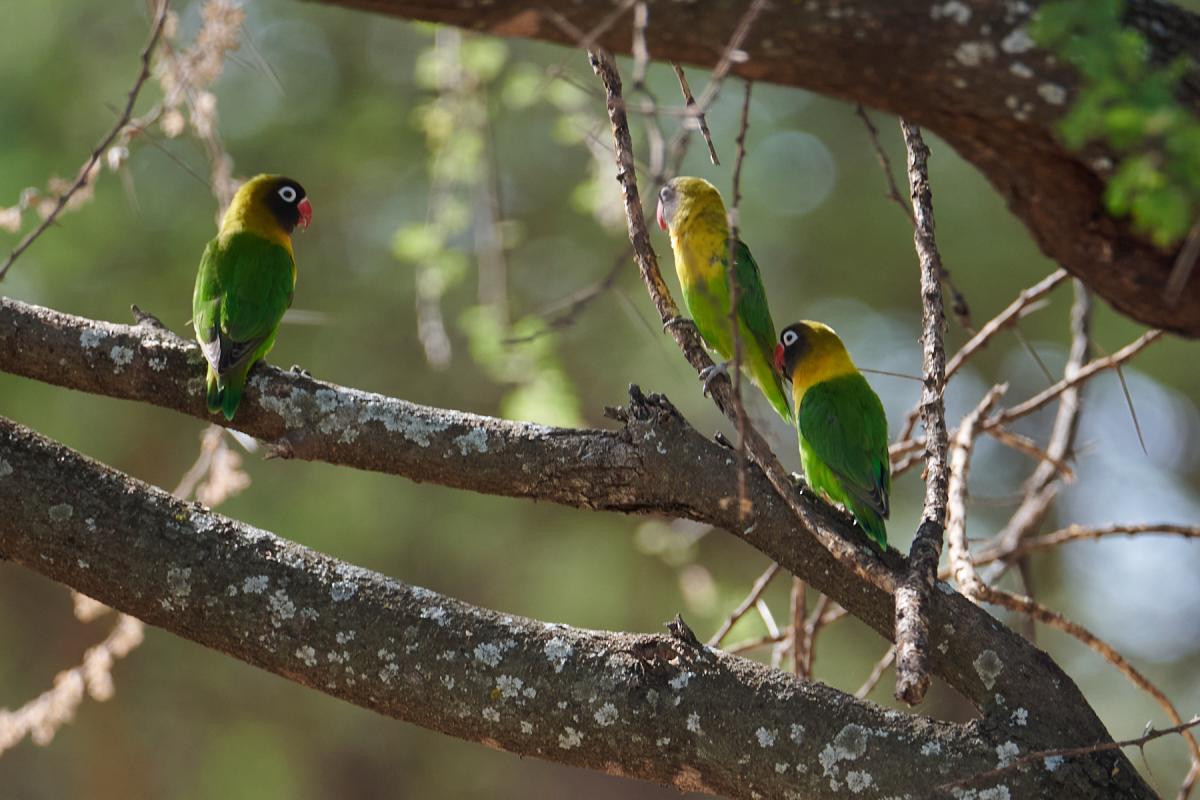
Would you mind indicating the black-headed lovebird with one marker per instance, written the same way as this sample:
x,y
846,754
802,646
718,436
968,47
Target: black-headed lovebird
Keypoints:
x,y
692,211
840,422
245,283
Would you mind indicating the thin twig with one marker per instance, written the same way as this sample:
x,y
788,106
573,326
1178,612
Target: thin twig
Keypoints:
x,y
799,640
956,502
881,666
1029,447
1079,533
735,299
912,597
1069,752
701,119
756,591
1185,262
86,173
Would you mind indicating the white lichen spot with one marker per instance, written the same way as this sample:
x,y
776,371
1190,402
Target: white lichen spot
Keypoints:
x,y
158,364
448,682
960,83
999,699
931,749
680,681
327,400
389,672
1052,763
82,564
781,767
179,581
1018,41
558,652
436,613
849,744
309,614
529,692
91,338
6,470
955,10
943,647
972,54
693,722
282,608
509,686
988,666
1020,717
857,780
606,716
89,523
796,733
994,793
61,512
490,653
344,636
526,728
570,738
308,655
765,737
1006,752
662,741
474,441
121,357
1052,93
1021,70
342,590
255,584
490,714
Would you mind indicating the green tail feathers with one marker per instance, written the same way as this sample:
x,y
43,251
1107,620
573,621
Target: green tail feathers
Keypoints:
x,y
872,524
223,397
777,397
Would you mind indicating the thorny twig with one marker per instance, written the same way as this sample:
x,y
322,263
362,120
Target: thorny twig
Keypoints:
x,y
699,114
91,167
1068,752
912,597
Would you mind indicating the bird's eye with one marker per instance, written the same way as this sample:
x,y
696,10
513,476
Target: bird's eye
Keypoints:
x,y
789,338
288,194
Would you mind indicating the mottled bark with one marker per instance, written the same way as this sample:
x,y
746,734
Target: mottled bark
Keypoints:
x,y
967,71
656,463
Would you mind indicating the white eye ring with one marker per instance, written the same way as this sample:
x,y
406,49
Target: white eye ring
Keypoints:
x,y
789,338
288,194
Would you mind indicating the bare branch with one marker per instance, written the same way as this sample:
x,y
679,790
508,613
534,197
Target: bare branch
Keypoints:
x,y
756,592
912,624
692,108
90,168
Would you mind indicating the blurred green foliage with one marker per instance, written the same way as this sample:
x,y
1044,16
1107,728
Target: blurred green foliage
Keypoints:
x,y
361,115
1130,103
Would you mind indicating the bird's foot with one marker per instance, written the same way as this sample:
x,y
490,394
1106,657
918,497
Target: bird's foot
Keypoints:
x,y
673,321
299,370
710,374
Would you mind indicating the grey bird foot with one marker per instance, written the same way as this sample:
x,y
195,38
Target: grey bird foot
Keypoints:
x,y
710,374
299,370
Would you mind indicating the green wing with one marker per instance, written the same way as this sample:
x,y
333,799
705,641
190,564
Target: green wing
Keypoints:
x,y
844,424
242,290
759,330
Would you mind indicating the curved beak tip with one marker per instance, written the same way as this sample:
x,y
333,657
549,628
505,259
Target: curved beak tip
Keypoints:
x,y
662,219
779,359
305,209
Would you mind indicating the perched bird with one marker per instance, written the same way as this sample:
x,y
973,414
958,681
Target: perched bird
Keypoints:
x,y
692,211
245,283
841,424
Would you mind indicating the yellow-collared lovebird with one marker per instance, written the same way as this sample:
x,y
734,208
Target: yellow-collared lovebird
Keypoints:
x,y
841,424
692,211
245,283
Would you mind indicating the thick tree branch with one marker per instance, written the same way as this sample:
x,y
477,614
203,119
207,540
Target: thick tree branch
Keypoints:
x,y
657,464
967,71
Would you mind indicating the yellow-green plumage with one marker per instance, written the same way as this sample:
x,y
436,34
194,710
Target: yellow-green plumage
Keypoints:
x,y
245,284
841,425
692,211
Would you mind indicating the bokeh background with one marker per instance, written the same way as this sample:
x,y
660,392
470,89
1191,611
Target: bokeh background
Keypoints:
x,y
466,180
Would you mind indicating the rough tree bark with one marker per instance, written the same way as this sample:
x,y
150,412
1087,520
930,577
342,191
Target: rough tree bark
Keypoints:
x,y
656,464
967,71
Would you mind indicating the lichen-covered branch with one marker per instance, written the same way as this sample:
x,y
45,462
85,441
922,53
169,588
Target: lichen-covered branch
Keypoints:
x,y
970,72
655,464
652,707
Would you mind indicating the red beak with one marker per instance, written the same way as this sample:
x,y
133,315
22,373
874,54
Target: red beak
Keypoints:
x,y
305,209
662,219
779,360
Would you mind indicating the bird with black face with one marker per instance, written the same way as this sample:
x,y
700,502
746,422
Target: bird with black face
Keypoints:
x,y
841,425
246,280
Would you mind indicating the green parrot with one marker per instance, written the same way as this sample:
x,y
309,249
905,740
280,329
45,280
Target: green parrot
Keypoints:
x,y
840,422
245,283
692,211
